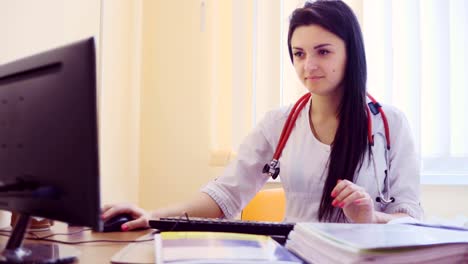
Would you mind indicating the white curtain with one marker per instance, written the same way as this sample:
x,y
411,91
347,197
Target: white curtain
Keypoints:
x,y
417,61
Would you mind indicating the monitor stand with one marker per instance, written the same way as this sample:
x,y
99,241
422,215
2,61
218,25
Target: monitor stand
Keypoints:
x,y
15,252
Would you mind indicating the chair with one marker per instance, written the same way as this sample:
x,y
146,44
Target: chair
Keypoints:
x,y
267,205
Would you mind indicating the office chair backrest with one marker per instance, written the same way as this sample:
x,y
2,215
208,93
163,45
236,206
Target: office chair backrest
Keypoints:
x,y
267,205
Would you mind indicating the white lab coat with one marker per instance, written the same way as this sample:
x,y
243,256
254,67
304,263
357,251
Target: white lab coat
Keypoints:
x,y
304,167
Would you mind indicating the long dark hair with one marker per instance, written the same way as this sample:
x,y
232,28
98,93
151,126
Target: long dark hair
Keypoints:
x,y
350,143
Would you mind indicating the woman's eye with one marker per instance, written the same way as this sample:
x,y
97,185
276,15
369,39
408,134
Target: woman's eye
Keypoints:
x,y
298,54
323,52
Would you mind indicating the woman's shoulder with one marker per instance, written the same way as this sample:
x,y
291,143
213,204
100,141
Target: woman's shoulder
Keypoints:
x,y
277,115
393,114
397,122
273,121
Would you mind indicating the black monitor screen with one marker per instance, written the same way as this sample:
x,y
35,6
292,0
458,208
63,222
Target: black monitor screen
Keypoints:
x,y
49,165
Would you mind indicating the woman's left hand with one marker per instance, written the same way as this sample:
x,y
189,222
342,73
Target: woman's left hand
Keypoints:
x,y
356,202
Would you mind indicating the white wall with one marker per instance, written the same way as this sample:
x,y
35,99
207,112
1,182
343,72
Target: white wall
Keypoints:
x,y
27,26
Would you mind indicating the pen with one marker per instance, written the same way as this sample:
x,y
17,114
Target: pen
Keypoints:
x,y
456,228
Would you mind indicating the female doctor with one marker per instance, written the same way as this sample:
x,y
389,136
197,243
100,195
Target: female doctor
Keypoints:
x,y
342,160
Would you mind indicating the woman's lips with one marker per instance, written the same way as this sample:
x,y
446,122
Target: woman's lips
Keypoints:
x,y
314,78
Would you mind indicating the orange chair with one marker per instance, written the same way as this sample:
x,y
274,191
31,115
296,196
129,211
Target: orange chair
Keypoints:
x,y
267,205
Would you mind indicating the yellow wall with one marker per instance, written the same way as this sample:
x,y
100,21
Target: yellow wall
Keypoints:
x,y
175,102
120,100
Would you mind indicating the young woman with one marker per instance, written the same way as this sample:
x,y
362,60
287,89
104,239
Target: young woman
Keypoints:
x,y
339,164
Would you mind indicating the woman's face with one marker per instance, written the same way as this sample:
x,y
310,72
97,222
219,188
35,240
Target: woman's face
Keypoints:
x,y
319,58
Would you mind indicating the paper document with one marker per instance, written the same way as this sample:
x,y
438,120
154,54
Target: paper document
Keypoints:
x,y
377,243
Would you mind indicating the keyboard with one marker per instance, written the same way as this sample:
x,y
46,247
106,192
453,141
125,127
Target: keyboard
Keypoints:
x,y
222,225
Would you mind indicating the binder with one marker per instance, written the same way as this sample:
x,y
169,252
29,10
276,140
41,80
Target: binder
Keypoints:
x,y
218,247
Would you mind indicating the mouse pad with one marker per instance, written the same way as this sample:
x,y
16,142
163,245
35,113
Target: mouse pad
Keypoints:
x,y
137,253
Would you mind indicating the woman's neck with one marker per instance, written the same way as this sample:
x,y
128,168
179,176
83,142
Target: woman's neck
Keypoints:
x,y
323,117
325,107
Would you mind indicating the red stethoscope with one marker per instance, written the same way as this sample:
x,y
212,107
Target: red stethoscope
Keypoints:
x,y
273,168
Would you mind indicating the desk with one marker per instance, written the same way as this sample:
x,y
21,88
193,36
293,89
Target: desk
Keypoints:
x,y
100,252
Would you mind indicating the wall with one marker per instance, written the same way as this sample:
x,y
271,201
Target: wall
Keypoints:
x,y
444,201
120,100
175,101
28,27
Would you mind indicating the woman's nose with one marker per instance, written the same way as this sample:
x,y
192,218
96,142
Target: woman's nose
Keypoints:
x,y
310,64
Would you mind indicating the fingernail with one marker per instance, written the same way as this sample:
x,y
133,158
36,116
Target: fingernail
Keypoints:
x,y
333,194
334,202
124,227
341,205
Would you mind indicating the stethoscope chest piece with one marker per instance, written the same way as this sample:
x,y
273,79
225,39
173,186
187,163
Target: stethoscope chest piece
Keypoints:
x,y
272,169
383,201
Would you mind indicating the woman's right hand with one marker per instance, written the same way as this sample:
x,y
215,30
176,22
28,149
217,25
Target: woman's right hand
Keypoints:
x,y
140,216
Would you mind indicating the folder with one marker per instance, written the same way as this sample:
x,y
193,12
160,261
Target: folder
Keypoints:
x,y
207,247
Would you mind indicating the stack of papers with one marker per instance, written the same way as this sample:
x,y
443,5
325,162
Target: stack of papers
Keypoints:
x,y
378,243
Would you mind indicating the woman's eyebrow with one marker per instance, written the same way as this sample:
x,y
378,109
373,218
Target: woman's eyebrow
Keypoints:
x,y
315,47
322,45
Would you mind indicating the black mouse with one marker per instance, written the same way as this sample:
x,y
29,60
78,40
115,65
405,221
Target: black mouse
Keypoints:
x,y
114,224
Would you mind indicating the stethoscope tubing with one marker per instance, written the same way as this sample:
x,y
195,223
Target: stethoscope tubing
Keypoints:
x,y
273,168
377,106
290,123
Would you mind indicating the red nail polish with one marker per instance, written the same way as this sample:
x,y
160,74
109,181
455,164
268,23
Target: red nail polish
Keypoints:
x,y
334,202
341,205
124,227
333,194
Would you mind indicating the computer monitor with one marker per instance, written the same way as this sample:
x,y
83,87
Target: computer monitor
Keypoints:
x,y
49,162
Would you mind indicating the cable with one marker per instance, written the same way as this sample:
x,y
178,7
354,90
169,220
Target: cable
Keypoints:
x,y
92,241
46,238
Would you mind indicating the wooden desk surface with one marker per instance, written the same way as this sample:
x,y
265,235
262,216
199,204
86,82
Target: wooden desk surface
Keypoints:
x,y
99,252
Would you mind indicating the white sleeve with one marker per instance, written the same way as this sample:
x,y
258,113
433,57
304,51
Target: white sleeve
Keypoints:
x,y
243,177
404,177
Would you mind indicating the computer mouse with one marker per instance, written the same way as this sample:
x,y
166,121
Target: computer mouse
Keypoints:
x,y
114,224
